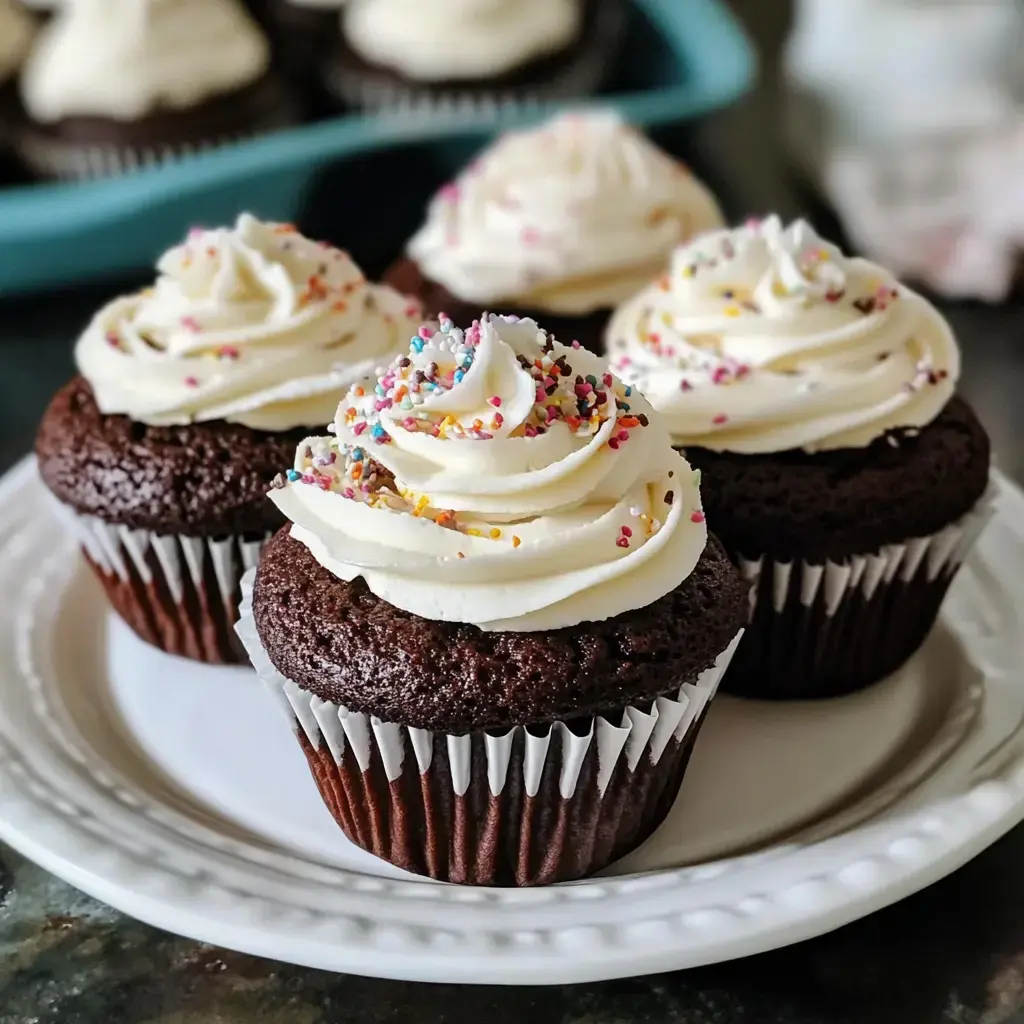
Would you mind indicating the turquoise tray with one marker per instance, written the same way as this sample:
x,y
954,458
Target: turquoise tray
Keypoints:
x,y
52,235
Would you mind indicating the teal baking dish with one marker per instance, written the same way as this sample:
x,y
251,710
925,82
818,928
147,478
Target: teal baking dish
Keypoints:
x,y
684,59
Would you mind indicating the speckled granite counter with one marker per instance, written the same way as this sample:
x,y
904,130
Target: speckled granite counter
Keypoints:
x,y
954,953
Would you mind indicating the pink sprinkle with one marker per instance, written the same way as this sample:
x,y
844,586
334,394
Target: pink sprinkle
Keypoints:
x,y
608,380
425,332
191,324
685,385
719,419
325,483
530,236
720,374
624,362
655,337
307,479
413,310
112,340
194,233
626,531
450,192
623,435
742,371
530,430
349,493
495,401
409,423
498,420
228,352
358,428
697,517
191,382
552,412
613,443
575,344
622,542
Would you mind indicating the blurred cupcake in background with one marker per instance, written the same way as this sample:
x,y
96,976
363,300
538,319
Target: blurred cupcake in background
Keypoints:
x,y
466,54
190,397
817,396
118,84
560,223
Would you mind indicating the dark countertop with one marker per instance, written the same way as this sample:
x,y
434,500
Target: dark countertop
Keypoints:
x,y
954,953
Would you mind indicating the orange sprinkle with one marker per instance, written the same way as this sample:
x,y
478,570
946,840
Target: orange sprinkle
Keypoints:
x,y
340,306
358,391
461,555
356,471
515,541
629,422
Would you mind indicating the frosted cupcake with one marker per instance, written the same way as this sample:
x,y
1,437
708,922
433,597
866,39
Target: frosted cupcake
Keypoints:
x,y
497,618
117,84
472,54
561,222
816,394
189,397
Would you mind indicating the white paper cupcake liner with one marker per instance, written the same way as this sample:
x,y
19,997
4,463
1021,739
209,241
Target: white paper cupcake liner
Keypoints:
x,y
826,629
602,772
178,592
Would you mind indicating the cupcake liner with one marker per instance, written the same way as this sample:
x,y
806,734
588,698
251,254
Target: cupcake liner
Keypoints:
x,y
823,630
529,806
177,592
51,157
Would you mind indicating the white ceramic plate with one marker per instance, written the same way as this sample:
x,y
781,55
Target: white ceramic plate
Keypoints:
x,y
177,794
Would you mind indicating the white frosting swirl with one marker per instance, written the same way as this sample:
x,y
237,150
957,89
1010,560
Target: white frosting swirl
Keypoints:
x,y
16,33
256,325
123,59
571,217
445,40
489,480
764,339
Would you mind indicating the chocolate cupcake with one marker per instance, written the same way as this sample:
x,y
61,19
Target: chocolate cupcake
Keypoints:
x,y
114,85
560,223
497,619
190,395
816,396
471,55
304,33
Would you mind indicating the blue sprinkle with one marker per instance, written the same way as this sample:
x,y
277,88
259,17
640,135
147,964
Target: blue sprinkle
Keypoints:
x,y
459,374
416,344
294,475
357,454
628,391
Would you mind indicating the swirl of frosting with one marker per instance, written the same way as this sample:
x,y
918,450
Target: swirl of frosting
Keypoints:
x,y
498,478
256,324
124,59
447,40
766,339
571,217
16,33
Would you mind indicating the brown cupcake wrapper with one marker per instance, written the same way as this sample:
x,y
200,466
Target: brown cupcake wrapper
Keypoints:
x,y
530,806
824,630
177,592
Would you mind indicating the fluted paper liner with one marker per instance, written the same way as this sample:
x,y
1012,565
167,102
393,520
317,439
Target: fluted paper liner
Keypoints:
x,y
529,806
821,630
178,592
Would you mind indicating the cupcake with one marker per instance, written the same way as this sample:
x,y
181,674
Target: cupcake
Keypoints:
x,y
471,55
497,618
816,395
117,84
190,395
561,222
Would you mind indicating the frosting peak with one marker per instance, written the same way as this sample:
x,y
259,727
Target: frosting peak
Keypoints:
x,y
766,338
446,40
571,217
123,59
254,324
496,477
